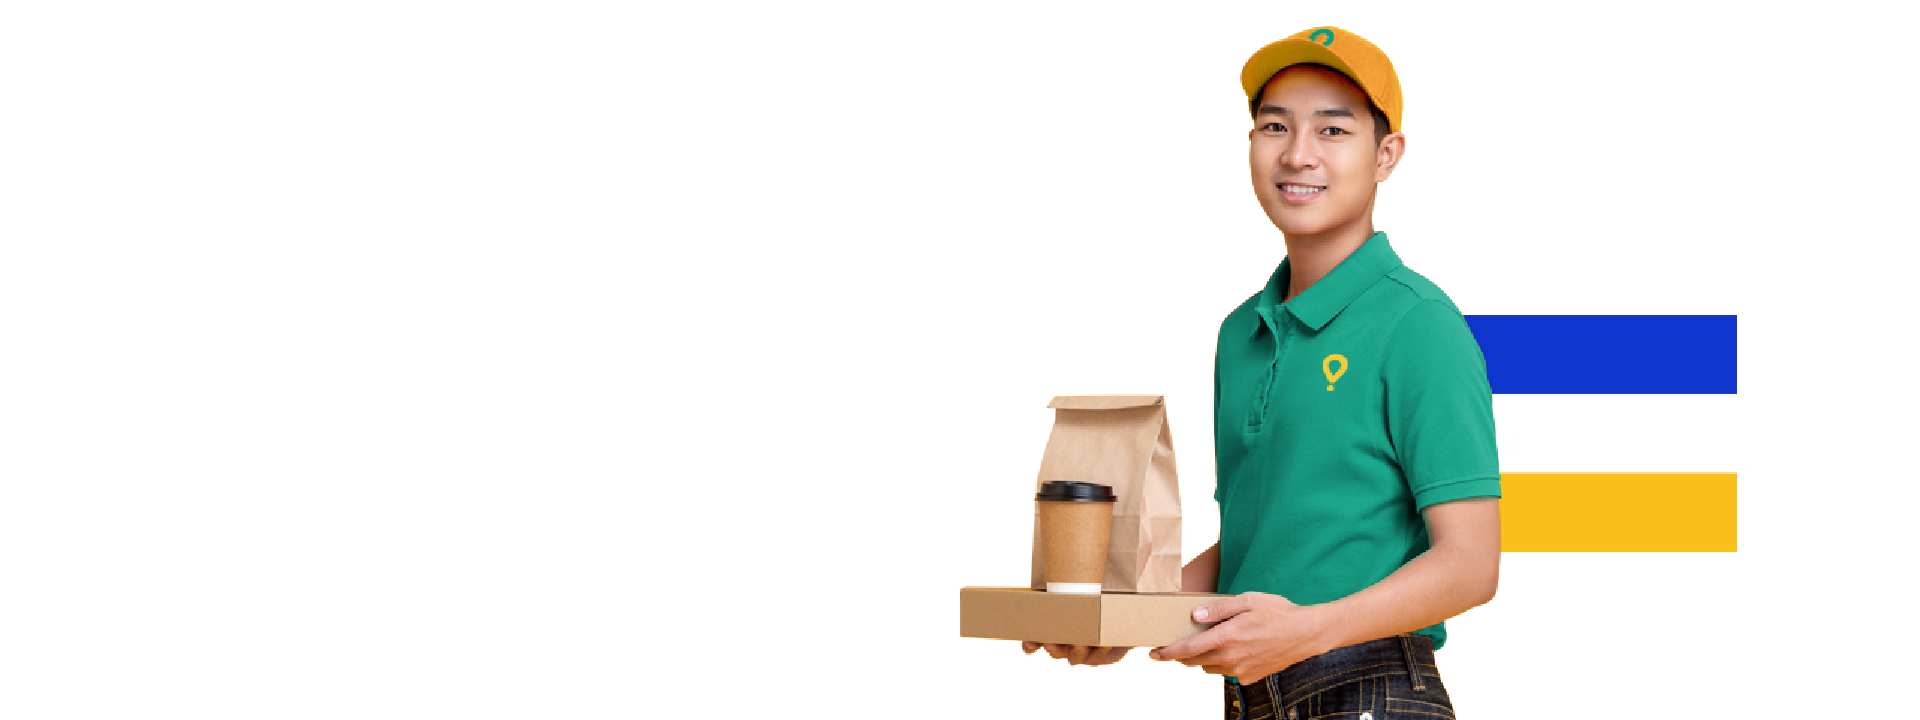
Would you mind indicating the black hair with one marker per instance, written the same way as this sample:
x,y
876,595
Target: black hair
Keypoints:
x,y
1381,126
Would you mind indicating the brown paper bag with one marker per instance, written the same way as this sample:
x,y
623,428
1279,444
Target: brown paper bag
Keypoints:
x,y
1123,441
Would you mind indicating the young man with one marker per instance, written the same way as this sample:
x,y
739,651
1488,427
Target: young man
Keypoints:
x,y
1353,425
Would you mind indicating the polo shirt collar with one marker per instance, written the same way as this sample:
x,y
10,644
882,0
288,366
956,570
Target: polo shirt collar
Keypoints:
x,y
1326,298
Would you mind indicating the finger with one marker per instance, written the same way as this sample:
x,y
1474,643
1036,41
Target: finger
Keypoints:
x,y
1078,655
1113,655
1191,646
1028,646
1216,661
1215,657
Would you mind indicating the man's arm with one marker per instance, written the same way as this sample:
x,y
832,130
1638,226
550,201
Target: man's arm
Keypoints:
x,y
1202,573
1460,572
1268,633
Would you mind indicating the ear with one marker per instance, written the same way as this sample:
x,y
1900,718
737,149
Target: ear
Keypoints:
x,y
1392,147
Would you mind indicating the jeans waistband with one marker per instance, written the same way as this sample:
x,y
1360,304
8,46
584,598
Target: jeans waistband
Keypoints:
x,y
1411,654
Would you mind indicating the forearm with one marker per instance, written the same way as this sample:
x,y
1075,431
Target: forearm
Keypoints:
x,y
1202,573
1437,585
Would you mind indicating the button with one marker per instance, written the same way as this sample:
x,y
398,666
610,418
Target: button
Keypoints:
x,y
1293,713
1366,716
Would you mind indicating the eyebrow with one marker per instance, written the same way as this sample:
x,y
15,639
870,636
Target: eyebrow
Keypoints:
x,y
1327,112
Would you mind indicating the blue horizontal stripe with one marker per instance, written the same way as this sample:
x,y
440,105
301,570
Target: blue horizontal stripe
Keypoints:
x,y
1609,354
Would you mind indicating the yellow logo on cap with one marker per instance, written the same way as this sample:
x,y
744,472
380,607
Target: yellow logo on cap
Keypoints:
x,y
1322,31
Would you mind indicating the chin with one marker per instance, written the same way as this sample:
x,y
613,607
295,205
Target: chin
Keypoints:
x,y
1301,224
1310,221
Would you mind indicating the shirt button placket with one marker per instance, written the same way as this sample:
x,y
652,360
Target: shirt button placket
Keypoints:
x,y
1279,353
1277,325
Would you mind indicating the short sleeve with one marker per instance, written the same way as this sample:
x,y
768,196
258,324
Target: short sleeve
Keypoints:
x,y
1440,407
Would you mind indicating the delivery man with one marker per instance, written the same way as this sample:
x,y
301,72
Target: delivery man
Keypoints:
x,y
1358,478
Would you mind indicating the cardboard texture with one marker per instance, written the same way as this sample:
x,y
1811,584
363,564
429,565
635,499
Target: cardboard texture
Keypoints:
x,y
1122,441
1106,620
1075,538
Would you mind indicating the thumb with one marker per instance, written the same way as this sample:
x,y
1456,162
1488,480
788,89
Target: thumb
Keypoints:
x,y
1218,610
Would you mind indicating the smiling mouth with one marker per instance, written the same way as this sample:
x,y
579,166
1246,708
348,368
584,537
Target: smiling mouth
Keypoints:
x,y
1300,192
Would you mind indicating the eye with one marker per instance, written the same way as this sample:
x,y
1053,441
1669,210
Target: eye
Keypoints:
x,y
1273,127
1335,131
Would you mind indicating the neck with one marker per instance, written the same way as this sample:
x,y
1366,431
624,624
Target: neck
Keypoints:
x,y
1311,257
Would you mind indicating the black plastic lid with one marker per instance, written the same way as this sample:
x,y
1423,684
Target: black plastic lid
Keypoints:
x,y
1073,491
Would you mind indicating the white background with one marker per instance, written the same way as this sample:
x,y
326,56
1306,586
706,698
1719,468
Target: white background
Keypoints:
x,y
611,360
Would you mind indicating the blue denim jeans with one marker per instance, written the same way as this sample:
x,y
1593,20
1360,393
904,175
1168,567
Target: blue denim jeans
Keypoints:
x,y
1391,678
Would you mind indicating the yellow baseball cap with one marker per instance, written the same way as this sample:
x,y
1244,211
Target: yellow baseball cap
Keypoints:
x,y
1335,48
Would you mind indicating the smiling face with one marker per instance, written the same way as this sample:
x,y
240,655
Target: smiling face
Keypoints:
x,y
1314,154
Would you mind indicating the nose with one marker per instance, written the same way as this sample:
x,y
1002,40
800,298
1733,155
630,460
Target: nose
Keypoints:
x,y
1300,153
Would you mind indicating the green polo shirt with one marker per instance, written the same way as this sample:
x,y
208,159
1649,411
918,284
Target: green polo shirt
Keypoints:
x,y
1338,416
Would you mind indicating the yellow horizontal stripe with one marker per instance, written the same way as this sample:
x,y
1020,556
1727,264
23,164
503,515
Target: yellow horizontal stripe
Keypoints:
x,y
1618,512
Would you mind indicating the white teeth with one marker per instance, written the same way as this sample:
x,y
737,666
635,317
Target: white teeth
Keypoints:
x,y
1300,189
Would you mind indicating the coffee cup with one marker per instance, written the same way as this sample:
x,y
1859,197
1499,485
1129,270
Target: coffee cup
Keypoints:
x,y
1075,520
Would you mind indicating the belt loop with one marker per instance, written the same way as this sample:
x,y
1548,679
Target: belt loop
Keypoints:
x,y
1239,701
1413,669
1273,692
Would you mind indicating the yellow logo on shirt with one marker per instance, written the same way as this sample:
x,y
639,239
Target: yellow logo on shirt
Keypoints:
x,y
1326,366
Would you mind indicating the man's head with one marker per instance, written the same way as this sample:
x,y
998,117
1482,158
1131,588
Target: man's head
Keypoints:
x,y
1317,151
1326,113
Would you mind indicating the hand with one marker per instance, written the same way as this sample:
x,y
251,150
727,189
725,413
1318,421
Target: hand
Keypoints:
x,y
1079,654
1257,635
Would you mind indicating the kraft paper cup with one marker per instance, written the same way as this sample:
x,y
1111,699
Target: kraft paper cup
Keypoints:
x,y
1076,519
